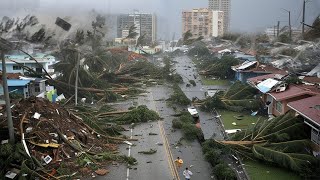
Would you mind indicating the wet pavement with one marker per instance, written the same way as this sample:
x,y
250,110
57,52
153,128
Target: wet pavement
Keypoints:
x,y
157,166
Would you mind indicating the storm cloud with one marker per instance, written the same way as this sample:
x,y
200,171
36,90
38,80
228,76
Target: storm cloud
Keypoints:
x,y
246,15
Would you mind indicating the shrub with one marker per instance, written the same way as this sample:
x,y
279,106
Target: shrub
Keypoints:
x,y
178,96
192,82
223,171
177,124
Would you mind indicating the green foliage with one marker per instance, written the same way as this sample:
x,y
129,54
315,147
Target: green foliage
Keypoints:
x,y
191,132
187,124
283,141
284,38
192,82
289,52
139,114
222,67
177,124
293,80
238,97
132,32
178,96
199,50
313,33
223,171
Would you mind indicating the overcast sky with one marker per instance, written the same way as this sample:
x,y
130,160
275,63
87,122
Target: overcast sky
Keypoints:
x,y
246,15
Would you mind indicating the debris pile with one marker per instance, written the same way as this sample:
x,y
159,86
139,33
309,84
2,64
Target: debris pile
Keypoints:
x,y
51,137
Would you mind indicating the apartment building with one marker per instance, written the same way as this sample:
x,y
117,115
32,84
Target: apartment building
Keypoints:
x,y
217,23
203,22
145,23
225,6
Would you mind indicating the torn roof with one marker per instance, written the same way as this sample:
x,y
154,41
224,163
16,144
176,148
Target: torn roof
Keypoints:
x,y
266,85
308,108
293,91
310,79
255,66
246,65
259,79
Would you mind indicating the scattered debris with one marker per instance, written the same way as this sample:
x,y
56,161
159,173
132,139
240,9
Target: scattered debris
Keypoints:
x,y
151,151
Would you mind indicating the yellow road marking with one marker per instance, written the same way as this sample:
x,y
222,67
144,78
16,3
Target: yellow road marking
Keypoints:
x,y
168,152
172,167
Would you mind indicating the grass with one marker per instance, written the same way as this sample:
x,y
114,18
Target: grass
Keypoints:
x,y
259,171
228,117
216,82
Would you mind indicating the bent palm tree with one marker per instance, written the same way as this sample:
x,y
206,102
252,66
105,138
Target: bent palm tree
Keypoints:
x,y
281,141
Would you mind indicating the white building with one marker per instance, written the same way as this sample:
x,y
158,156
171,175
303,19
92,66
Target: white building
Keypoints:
x,y
217,23
225,6
145,23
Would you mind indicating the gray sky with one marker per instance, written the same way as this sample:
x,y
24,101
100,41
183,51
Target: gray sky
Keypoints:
x,y
246,15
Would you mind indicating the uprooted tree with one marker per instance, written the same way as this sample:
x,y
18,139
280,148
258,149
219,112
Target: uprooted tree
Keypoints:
x,y
238,97
282,141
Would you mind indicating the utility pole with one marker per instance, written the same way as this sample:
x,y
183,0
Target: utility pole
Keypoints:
x,y
303,17
278,28
274,31
7,99
290,30
77,77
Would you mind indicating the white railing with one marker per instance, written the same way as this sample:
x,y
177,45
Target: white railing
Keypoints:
x,y
315,137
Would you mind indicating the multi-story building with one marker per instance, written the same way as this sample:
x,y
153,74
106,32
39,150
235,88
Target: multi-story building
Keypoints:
x,y
202,22
145,24
217,23
225,6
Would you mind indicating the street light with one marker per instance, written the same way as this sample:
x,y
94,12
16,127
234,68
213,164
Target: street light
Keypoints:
x,y
6,46
290,31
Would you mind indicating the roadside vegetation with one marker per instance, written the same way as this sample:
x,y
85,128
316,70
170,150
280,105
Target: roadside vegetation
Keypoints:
x,y
282,141
187,124
178,97
239,97
215,154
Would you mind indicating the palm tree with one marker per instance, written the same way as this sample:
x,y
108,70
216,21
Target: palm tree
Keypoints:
x,y
186,37
281,141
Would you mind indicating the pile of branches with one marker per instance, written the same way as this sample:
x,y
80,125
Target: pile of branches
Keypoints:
x,y
284,141
216,153
51,136
239,97
220,67
178,97
188,126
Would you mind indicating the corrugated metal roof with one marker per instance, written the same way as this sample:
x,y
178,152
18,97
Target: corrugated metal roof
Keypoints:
x,y
17,82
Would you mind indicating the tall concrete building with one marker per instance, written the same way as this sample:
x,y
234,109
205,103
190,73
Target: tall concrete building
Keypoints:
x,y
203,22
225,6
217,23
145,24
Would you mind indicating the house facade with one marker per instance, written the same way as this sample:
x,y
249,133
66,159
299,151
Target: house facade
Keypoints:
x,y
309,109
251,69
15,63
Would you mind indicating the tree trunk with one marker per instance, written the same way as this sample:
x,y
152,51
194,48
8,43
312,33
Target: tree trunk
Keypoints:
x,y
7,99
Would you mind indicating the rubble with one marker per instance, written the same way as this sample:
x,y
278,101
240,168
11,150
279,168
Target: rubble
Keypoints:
x,y
51,137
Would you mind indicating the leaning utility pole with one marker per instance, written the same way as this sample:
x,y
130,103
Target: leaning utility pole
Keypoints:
x,y
77,77
4,47
278,28
290,30
303,17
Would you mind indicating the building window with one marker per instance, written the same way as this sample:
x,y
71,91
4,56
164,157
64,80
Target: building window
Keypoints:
x,y
279,106
16,67
36,88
